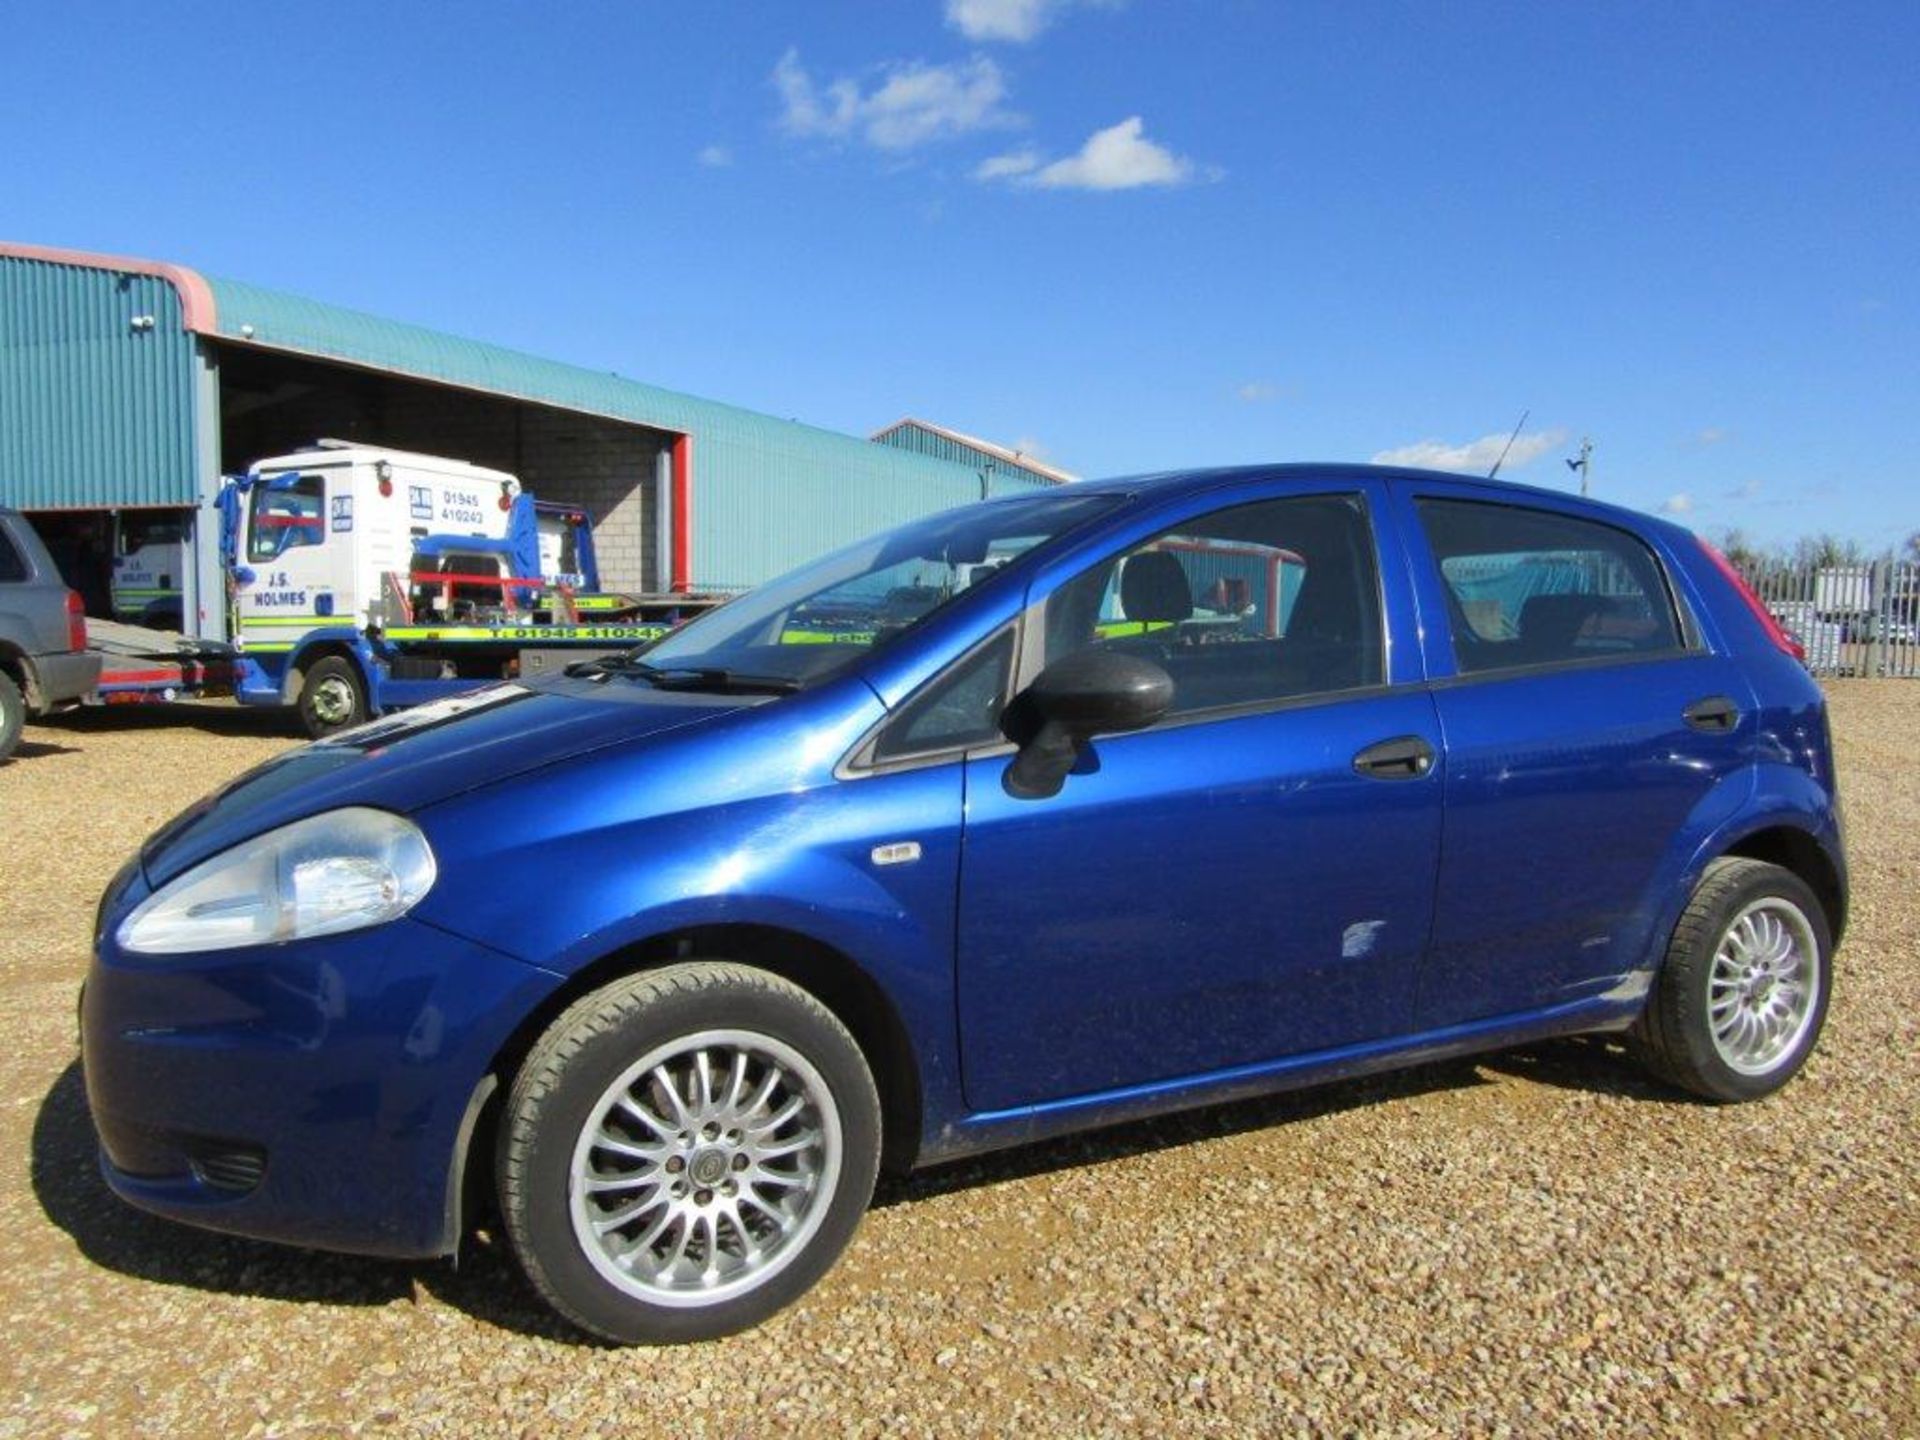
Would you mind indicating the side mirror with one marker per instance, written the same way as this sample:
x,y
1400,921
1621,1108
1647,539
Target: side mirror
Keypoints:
x,y
1088,693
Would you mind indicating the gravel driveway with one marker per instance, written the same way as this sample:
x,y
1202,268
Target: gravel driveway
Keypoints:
x,y
1538,1242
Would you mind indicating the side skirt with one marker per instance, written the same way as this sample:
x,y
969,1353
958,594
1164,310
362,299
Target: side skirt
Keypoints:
x,y
996,1129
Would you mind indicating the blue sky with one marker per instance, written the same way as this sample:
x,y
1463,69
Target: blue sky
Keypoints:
x,y
1126,234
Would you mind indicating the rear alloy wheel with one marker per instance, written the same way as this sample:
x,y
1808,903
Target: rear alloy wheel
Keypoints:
x,y
686,1151
1740,1002
332,697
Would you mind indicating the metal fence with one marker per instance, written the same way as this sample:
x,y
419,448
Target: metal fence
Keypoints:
x,y
1853,619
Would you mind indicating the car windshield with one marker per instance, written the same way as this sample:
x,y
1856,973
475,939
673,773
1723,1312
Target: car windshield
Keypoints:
x,y
820,618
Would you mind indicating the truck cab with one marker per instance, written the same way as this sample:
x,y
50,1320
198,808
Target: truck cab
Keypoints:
x,y
366,579
326,536
151,555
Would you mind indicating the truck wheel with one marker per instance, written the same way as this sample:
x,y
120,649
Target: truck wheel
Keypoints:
x,y
1740,1001
13,715
686,1151
332,697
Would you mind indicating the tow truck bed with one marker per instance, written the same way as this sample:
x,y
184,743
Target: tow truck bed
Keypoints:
x,y
141,666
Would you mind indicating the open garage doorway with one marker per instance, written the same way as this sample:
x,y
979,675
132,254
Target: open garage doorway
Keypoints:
x,y
272,403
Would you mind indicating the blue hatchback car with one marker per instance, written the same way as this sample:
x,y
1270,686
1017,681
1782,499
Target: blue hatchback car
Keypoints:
x,y
1033,816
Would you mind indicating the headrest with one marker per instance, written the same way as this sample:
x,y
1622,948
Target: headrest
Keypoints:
x,y
1154,588
1553,621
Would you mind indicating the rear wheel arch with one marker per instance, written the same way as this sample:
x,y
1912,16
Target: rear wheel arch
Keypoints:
x,y
1796,850
17,666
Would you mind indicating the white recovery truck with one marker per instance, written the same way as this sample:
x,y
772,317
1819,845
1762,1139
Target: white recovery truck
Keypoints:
x,y
365,579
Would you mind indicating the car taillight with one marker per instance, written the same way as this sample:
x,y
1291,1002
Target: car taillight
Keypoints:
x,y
76,621
1776,632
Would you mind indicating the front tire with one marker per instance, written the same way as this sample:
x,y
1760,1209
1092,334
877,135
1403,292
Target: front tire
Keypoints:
x,y
332,697
1740,1002
686,1151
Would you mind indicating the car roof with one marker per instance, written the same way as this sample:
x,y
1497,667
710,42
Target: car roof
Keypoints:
x,y
1169,483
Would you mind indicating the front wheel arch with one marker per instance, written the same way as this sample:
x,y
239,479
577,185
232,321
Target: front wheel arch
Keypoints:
x,y
834,978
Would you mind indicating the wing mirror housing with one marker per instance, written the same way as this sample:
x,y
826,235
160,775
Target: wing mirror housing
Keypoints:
x,y
1088,693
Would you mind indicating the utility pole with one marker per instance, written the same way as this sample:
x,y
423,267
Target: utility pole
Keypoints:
x,y
1584,464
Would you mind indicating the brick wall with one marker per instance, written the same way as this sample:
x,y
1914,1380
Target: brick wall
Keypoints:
x,y
602,466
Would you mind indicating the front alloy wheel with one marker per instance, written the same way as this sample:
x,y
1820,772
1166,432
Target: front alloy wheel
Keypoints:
x,y
705,1168
686,1151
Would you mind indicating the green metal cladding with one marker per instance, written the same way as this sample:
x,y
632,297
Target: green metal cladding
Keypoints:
x,y
1006,472
96,388
97,409
767,493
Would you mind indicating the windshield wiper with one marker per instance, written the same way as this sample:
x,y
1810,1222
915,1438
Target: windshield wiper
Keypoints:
x,y
686,677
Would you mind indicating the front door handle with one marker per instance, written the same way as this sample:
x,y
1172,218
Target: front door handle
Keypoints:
x,y
1406,758
1715,715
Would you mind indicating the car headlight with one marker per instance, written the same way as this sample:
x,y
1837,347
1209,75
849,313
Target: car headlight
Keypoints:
x,y
344,870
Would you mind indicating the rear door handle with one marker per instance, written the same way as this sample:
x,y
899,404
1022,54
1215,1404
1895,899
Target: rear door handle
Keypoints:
x,y
1716,714
1406,758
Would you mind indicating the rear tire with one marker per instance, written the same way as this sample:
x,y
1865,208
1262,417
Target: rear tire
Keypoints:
x,y
13,716
332,697
685,1152
1740,1001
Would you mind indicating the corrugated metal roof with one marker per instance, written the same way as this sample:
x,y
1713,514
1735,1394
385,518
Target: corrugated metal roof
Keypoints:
x,y
96,387
923,437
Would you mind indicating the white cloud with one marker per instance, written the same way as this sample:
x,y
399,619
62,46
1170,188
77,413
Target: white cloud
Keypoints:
x,y
913,102
1117,158
1256,392
1745,490
1015,20
716,157
1005,167
1678,503
1476,457
1711,435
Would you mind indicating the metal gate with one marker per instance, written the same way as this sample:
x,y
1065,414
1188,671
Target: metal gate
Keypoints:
x,y
1853,619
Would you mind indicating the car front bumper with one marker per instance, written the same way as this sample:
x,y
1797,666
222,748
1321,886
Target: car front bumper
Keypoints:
x,y
315,1093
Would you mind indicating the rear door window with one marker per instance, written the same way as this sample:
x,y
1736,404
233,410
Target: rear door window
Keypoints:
x,y
1529,587
13,568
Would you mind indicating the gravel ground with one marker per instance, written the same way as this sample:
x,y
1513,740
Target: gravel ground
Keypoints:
x,y
1537,1242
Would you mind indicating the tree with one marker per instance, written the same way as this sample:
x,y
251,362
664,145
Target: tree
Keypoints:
x,y
1823,551
1913,546
1740,550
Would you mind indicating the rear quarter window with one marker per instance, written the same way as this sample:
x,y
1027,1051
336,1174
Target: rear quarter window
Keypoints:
x,y
1530,587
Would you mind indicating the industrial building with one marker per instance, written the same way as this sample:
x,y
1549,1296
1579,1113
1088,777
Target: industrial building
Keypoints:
x,y
135,385
985,458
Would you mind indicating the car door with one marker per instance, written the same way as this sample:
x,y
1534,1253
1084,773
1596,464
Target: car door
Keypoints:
x,y
1587,727
1252,877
